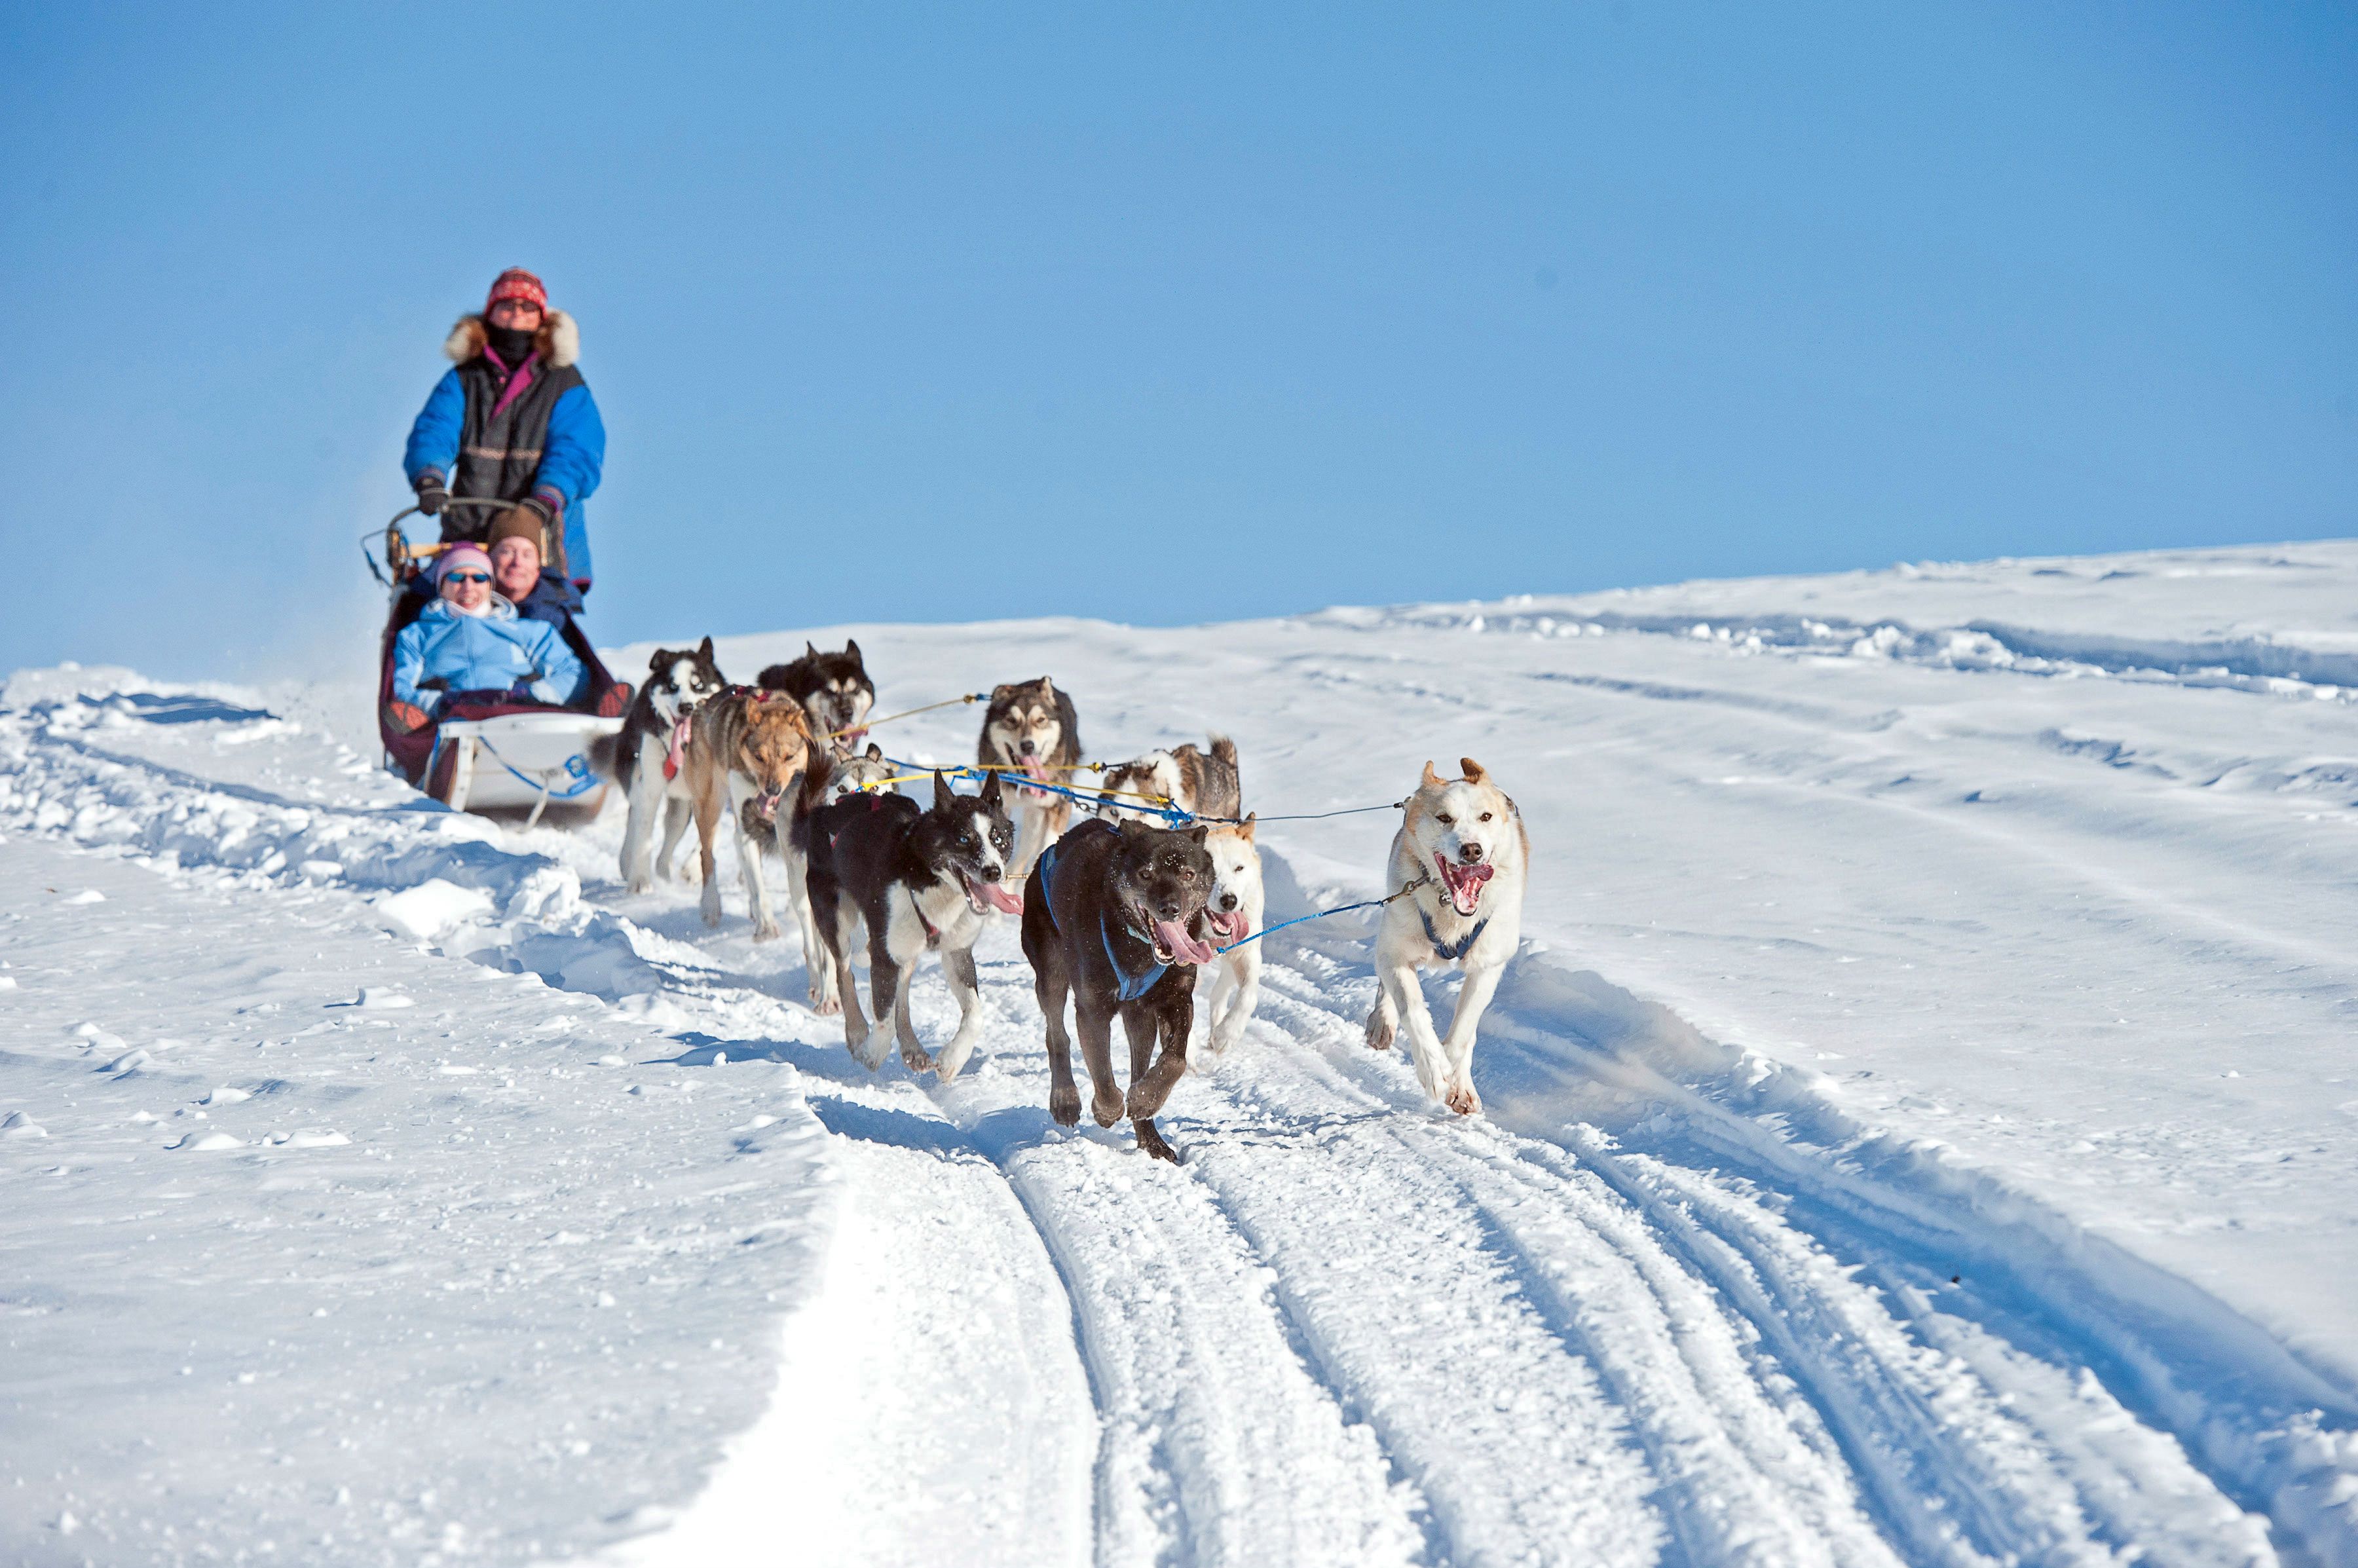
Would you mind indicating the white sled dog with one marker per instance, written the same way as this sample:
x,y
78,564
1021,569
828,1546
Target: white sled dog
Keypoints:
x,y
645,758
1232,914
1463,855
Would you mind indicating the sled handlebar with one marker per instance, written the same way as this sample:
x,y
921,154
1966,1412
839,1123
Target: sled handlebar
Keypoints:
x,y
399,552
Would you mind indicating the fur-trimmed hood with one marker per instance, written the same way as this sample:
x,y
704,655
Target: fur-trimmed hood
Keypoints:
x,y
558,340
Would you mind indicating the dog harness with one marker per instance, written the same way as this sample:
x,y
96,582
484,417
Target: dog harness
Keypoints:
x,y
1128,986
1443,950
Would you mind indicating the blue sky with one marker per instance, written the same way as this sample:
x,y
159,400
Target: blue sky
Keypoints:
x,y
1167,314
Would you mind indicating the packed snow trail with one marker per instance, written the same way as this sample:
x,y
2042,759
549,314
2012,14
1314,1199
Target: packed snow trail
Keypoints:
x,y
1673,1300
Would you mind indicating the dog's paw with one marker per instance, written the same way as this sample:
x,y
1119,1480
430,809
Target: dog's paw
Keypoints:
x,y
642,884
825,1006
1108,1108
765,931
1380,1033
1150,1139
1065,1105
1464,1101
916,1058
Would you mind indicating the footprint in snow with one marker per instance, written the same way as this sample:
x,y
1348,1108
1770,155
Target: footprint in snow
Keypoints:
x,y
305,1138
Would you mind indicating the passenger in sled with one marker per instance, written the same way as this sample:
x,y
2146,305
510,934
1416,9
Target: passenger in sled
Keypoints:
x,y
471,646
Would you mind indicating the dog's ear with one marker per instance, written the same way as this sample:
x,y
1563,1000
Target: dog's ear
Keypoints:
x,y
1048,684
1201,831
1474,773
1001,693
1431,780
1133,829
943,793
810,649
1244,829
658,659
991,793
704,652
875,752
851,651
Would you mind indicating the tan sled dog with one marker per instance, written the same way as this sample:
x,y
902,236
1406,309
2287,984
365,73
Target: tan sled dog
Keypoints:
x,y
1030,732
1463,855
746,749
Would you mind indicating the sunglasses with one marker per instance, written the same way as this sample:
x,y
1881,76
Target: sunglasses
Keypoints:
x,y
466,576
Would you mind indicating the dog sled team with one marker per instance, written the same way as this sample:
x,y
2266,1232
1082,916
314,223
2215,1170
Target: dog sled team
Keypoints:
x,y
492,695
1118,915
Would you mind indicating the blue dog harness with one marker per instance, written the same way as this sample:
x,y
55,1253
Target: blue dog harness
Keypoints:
x,y
1128,986
1443,950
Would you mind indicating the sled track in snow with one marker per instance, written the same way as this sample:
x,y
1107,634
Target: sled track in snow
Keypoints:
x,y
1350,1330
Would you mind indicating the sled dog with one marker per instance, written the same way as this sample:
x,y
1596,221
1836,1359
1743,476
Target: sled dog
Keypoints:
x,y
1232,914
1111,918
746,749
833,688
1462,853
1199,783
644,757
912,880
1030,730
829,778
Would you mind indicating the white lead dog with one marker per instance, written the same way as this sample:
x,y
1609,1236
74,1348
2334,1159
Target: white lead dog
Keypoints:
x,y
1463,855
1232,914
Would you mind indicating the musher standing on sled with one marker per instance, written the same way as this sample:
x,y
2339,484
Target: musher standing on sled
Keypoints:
x,y
513,421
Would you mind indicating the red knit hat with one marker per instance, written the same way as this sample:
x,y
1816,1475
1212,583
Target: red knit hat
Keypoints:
x,y
516,284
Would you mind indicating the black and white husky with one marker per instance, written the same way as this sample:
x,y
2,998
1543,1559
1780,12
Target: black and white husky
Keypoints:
x,y
832,776
834,690
644,757
911,880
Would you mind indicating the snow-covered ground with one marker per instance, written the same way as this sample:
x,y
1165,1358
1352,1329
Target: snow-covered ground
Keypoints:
x,y
1922,1126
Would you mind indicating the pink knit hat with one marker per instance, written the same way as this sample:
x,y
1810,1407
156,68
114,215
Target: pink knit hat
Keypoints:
x,y
470,556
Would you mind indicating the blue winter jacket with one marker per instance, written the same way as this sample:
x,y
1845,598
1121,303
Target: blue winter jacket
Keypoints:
x,y
570,463
493,651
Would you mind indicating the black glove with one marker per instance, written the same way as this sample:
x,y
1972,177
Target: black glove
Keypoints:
x,y
431,493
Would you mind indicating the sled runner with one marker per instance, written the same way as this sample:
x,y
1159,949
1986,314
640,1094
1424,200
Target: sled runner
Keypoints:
x,y
489,750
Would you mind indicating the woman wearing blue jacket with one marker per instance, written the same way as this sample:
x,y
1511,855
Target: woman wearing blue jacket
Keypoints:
x,y
472,640
513,421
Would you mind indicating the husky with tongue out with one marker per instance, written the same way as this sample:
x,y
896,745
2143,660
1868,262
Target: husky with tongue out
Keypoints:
x,y
1461,855
1030,731
647,758
912,880
1113,917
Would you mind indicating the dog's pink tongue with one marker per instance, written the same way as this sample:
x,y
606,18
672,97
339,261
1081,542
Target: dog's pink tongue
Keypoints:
x,y
998,897
1184,947
1465,885
1036,768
